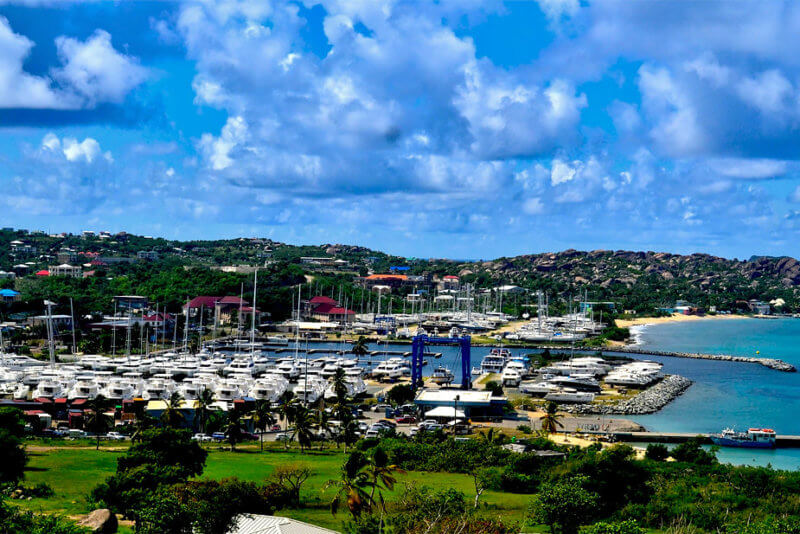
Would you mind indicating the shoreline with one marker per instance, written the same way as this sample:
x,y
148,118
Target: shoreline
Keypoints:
x,y
677,318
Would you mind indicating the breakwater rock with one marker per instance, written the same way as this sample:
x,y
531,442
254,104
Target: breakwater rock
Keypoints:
x,y
772,363
648,401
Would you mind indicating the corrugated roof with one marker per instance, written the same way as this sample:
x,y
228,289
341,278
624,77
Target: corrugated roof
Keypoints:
x,y
268,524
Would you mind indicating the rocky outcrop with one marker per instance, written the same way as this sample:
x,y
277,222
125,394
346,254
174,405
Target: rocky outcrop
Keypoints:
x,y
772,363
101,521
648,401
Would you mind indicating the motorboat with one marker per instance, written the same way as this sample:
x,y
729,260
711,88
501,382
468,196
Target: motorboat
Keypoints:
x,y
442,376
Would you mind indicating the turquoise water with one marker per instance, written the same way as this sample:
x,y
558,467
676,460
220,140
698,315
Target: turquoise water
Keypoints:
x,y
731,394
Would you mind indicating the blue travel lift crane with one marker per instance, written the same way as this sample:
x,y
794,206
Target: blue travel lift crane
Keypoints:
x,y
418,351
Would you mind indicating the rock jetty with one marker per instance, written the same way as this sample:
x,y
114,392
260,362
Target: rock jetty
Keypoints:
x,y
648,401
772,363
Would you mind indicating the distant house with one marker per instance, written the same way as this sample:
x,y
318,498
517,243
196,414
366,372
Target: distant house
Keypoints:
x,y
8,296
758,307
268,524
150,255
391,280
510,290
7,275
60,322
449,282
66,269
327,309
20,247
67,256
131,302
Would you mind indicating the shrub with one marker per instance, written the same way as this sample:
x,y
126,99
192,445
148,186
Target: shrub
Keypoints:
x,y
624,527
564,505
657,452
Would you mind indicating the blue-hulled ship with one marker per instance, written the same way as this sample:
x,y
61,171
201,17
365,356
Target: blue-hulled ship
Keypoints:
x,y
754,438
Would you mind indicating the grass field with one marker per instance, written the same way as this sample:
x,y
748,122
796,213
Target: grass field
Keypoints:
x,y
73,471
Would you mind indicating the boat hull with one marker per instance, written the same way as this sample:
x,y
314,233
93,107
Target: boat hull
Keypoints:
x,y
726,442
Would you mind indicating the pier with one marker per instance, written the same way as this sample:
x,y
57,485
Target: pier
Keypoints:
x,y
781,441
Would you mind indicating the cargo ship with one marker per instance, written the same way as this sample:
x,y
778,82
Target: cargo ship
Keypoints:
x,y
754,438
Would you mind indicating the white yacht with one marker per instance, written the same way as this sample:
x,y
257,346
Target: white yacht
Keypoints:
x,y
84,389
568,395
511,376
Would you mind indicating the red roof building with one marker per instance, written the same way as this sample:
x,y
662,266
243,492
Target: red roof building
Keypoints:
x,y
43,272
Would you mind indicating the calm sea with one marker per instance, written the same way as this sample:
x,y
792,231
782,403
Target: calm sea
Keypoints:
x,y
731,394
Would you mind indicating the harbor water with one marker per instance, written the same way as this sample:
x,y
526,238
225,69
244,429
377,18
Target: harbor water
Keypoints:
x,y
727,394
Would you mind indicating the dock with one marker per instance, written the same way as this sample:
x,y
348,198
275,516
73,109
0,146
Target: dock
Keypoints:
x,y
781,441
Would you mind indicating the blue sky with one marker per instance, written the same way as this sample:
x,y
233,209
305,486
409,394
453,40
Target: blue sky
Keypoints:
x,y
453,128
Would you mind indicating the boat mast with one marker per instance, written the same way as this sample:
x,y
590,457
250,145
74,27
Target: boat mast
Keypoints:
x,y
72,315
253,326
114,332
50,332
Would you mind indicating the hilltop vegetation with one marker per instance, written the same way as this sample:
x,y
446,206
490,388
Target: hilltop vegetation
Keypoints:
x,y
640,281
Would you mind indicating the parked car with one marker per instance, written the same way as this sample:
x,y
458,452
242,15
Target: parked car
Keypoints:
x,y
218,436
202,437
115,436
275,428
283,436
406,419
381,407
372,433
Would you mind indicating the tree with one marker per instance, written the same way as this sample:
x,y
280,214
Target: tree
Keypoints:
x,y
96,421
495,387
234,428
380,472
205,399
340,386
691,451
12,451
263,418
163,457
291,477
484,478
657,452
350,487
172,415
400,394
360,348
563,505
551,421
304,422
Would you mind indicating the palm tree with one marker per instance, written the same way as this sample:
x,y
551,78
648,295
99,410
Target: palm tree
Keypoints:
x,y
96,420
360,347
551,421
351,486
204,401
263,418
339,383
490,437
143,422
234,427
173,416
304,422
380,472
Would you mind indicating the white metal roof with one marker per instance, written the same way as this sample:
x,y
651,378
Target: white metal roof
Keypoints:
x,y
268,524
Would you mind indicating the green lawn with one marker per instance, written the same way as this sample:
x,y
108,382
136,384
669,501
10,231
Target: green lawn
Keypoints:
x,y
72,473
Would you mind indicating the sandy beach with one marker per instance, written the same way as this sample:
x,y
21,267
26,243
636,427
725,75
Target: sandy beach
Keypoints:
x,y
675,318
